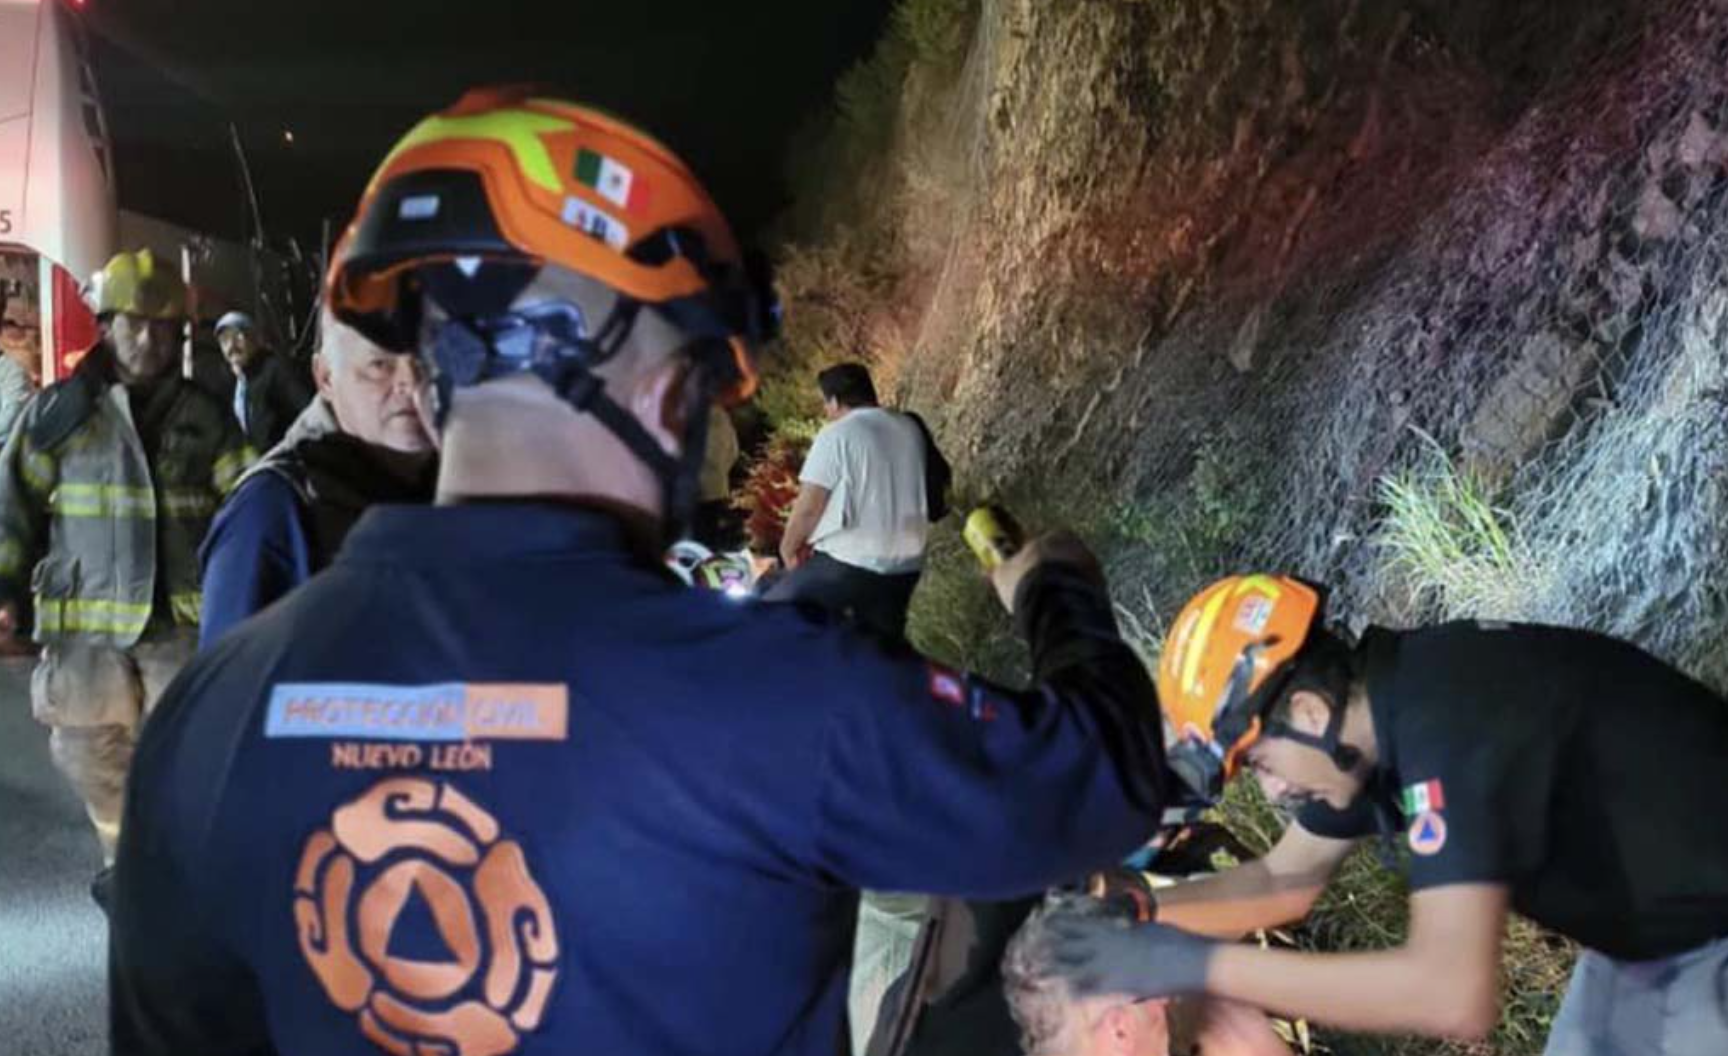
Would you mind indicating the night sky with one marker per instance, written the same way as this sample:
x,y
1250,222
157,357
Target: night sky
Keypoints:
x,y
726,84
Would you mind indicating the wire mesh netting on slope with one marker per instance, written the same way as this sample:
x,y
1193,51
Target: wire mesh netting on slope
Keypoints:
x,y
1422,298
1339,287
1557,327
1531,293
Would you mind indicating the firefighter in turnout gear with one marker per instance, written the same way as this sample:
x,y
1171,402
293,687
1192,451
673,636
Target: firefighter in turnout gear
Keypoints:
x,y
106,488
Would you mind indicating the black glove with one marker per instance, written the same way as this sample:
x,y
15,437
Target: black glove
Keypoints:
x,y
1099,955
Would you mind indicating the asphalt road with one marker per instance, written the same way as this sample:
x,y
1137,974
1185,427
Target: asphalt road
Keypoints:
x,y
53,939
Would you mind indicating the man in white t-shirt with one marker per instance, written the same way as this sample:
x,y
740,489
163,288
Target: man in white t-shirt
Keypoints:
x,y
854,542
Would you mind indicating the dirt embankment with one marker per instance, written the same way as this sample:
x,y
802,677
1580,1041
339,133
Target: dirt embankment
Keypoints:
x,y
1427,299
1221,270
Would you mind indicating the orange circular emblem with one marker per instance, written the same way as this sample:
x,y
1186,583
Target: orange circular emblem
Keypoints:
x,y
415,842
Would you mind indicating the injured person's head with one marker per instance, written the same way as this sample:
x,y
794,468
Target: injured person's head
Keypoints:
x,y
1054,1022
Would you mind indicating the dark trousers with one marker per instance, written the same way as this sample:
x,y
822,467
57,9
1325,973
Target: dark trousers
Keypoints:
x,y
875,602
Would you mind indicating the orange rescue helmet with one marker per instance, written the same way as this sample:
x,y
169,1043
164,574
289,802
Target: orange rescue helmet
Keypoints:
x,y
1221,665
508,177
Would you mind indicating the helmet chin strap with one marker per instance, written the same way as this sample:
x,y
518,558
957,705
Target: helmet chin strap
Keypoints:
x,y
679,475
1346,758
463,354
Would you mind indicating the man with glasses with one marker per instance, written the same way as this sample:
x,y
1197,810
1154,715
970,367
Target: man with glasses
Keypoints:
x,y
269,390
107,484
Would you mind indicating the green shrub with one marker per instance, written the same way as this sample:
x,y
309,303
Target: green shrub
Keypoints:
x,y
771,484
936,32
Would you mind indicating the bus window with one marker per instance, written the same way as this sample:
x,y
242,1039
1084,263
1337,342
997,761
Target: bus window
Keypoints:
x,y
21,318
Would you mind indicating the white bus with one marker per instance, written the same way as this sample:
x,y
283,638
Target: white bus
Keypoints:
x,y
58,217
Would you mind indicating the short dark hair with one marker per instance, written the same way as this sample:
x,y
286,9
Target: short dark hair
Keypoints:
x,y
848,384
1327,666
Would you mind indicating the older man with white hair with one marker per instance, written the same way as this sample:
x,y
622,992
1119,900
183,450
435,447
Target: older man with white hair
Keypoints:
x,y
360,442
1055,1021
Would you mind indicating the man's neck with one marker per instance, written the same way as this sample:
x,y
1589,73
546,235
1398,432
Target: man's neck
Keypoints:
x,y
501,448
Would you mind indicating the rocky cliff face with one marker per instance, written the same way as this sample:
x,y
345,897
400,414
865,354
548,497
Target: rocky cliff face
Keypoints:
x,y
1229,274
1425,299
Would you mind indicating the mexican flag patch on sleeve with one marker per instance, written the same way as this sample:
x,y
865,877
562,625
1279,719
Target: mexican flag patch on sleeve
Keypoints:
x,y
1423,797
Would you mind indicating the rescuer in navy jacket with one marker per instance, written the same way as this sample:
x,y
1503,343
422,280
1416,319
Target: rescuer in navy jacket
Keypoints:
x,y
359,443
494,782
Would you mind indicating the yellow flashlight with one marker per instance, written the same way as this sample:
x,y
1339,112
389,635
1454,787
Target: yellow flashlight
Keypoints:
x,y
993,535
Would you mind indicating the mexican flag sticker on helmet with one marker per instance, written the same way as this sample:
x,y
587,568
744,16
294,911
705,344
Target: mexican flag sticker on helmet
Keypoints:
x,y
1254,612
612,180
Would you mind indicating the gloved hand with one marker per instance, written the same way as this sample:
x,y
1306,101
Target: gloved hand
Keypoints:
x,y
1128,893
1101,955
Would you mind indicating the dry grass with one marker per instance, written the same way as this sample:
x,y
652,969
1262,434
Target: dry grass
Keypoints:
x,y
1446,538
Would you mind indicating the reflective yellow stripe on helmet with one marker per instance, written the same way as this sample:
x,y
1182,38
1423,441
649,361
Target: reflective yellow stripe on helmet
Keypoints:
x,y
1258,582
1196,646
61,615
520,130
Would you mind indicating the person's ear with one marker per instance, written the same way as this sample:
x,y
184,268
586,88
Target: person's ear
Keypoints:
x,y
1309,712
660,399
323,375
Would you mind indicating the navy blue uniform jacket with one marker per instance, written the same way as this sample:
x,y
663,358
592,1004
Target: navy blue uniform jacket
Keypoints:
x,y
256,552
491,784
